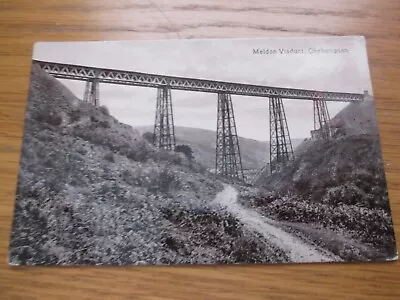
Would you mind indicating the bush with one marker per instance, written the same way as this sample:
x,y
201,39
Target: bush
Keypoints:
x,y
128,177
140,153
185,149
104,124
370,225
104,110
82,150
109,157
45,136
149,136
100,123
167,181
75,115
303,186
51,118
224,233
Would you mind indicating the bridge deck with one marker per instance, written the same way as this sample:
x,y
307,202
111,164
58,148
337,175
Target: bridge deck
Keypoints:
x,y
84,73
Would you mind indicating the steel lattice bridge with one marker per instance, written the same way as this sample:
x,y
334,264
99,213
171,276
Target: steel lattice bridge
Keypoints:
x,y
228,159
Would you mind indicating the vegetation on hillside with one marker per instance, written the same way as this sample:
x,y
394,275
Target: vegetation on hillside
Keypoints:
x,y
93,191
186,150
336,185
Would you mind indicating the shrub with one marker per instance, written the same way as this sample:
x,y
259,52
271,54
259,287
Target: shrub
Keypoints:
x,y
82,150
185,149
136,156
303,186
104,124
149,136
167,181
45,136
100,123
51,118
128,177
370,225
109,157
104,110
223,232
75,115
247,251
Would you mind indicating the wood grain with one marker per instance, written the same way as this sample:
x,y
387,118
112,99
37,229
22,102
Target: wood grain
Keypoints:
x,y
24,22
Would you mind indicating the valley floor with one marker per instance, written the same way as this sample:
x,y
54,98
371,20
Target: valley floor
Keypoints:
x,y
296,249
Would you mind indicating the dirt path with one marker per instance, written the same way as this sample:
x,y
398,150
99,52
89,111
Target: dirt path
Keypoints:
x,y
296,249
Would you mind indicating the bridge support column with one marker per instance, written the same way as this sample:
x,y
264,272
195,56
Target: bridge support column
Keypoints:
x,y
92,92
281,151
322,129
164,130
228,161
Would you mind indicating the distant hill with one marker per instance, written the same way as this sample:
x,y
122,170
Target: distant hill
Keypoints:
x,y
255,154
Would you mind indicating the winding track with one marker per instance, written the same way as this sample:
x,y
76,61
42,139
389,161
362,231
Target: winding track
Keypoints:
x,y
296,249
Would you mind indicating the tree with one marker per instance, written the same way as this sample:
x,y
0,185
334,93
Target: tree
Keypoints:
x,y
149,136
185,149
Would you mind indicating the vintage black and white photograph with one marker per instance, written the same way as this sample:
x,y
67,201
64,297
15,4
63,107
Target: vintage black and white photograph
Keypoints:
x,y
220,151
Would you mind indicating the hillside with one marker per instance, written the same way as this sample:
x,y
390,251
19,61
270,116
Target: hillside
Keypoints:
x,y
355,144
255,154
338,184
91,190
355,119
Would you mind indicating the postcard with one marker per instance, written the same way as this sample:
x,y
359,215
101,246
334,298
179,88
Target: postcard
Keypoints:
x,y
218,151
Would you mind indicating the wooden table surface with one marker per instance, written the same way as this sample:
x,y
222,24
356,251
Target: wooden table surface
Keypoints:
x,y
24,22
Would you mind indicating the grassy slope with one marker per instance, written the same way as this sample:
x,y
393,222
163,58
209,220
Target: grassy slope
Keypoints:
x,y
92,191
338,188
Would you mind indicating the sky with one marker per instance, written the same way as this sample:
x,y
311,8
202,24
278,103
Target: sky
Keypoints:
x,y
225,60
